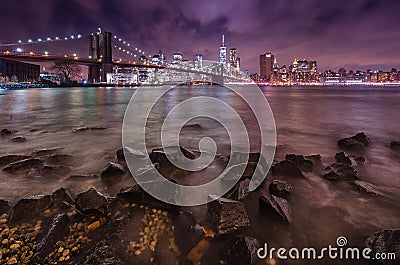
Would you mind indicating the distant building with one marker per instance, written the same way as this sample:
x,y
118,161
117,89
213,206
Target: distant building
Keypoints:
x,y
177,57
143,59
266,65
222,51
18,71
199,60
232,57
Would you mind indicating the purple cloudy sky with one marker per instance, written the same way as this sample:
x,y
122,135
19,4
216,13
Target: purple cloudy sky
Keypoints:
x,y
358,34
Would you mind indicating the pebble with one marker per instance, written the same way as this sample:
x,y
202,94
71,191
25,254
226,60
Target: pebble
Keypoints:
x,y
12,260
61,249
65,253
94,225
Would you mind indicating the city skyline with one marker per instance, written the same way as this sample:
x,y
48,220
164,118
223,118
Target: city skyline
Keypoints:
x,y
356,35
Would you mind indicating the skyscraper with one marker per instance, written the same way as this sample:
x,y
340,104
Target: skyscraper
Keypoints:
x,y
266,65
222,51
233,57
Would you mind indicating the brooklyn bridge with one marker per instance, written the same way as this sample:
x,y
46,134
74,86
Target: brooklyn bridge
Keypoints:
x,y
110,56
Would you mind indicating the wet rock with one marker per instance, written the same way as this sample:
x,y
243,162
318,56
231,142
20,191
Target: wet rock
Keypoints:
x,y
275,205
240,191
132,194
165,187
395,146
92,201
316,160
83,177
62,199
7,159
97,128
18,139
340,172
159,156
5,206
280,188
241,250
345,158
30,163
6,132
358,141
174,149
300,161
59,159
361,160
228,216
112,172
194,126
366,187
287,169
385,241
30,208
80,129
46,151
56,231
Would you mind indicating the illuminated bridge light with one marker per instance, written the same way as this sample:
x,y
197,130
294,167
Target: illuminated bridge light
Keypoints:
x,y
19,50
129,44
48,39
135,49
39,39
79,36
124,42
72,36
29,40
20,41
65,38
57,38
115,37
119,39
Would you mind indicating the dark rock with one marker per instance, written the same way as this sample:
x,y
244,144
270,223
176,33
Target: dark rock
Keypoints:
x,y
361,160
46,151
366,187
7,159
30,208
358,141
173,150
300,161
385,241
92,201
316,160
344,158
280,188
132,194
121,157
241,250
240,191
288,169
62,199
275,205
395,146
59,159
166,188
81,129
5,206
98,128
6,132
56,231
195,126
187,232
112,172
30,163
228,216
77,177
340,172
18,139
257,158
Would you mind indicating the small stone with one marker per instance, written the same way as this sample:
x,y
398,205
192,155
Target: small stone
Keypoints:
x,y
94,225
65,253
15,246
60,249
138,252
61,259
12,260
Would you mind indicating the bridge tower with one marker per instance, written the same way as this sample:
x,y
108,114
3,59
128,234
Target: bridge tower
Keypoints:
x,y
100,48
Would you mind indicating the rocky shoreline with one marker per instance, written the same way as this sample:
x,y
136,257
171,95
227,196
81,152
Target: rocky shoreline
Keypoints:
x,y
132,227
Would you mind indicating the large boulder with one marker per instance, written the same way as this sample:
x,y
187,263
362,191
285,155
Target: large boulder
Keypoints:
x,y
316,159
112,172
228,216
62,199
30,208
304,164
345,158
280,188
56,231
241,250
92,201
233,173
276,206
395,146
287,169
130,153
385,241
257,158
26,164
359,141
